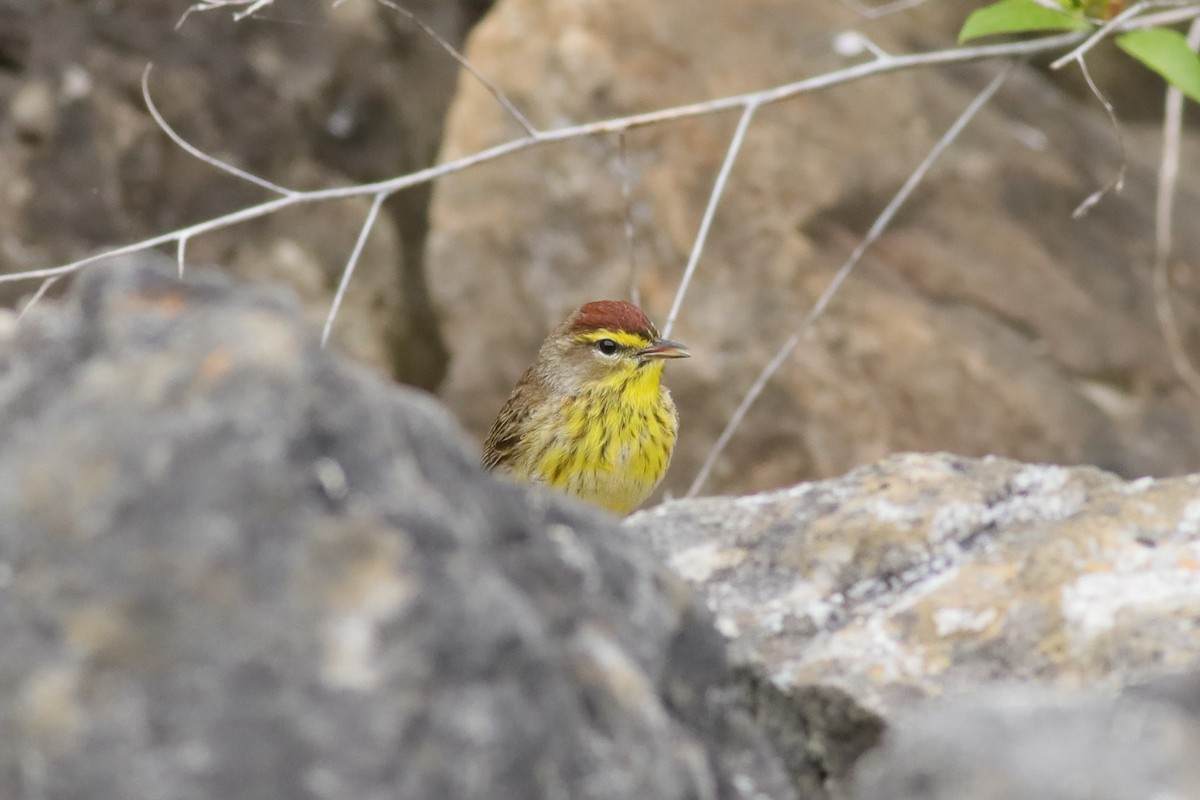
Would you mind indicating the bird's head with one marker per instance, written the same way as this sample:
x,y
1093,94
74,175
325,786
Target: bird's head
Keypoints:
x,y
606,343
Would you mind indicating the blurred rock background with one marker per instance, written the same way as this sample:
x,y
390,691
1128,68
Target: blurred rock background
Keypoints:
x,y
300,95
985,321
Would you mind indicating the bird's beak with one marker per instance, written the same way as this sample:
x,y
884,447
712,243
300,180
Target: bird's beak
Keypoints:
x,y
663,348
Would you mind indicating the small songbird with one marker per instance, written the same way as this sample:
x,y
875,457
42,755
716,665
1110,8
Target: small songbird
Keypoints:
x,y
591,417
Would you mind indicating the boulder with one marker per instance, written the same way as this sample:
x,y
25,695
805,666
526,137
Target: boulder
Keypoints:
x,y
852,604
929,574
236,566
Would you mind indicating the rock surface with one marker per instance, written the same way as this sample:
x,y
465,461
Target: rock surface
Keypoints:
x,y
302,94
848,602
928,575
985,321
235,567
1029,745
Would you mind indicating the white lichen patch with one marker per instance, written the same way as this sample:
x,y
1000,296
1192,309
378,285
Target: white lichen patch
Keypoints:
x,y
1189,520
873,647
698,564
1041,478
1091,604
954,520
1138,486
952,621
902,516
1045,507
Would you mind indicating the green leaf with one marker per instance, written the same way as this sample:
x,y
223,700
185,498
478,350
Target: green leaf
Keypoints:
x,y
1018,16
1167,53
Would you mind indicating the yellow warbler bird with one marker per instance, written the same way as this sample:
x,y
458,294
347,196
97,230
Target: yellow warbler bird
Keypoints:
x,y
591,417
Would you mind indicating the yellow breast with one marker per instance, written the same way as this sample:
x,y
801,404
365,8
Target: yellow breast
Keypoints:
x,y
610,445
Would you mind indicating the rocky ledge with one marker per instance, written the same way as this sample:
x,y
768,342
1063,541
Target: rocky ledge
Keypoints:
x,y
934,576
236,566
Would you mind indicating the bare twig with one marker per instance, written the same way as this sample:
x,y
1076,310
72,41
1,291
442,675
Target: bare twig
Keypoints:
x,y
501,98
1164,216
877,228
1132,18
344,284
38,295
180,251
1101,33
853,43
210,5
1118,180
1164,18
714,198
635,293
882,10
763,97
255,5
192,150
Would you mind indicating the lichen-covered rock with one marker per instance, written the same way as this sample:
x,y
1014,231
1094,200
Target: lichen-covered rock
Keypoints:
x,y
930,574
235,567
927,575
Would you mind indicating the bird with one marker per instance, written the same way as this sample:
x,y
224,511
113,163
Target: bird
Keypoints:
x,y
591,416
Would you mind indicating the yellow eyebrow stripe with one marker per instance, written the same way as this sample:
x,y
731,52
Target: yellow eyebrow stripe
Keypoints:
x,y
632,341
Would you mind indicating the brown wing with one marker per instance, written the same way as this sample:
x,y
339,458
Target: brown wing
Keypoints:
x,y
503,442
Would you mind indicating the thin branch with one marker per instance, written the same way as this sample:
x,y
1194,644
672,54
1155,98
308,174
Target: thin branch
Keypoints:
x,y
180,251
38,295
192,150
501,98
210,5
877,228
1132,18
1164,18
714,198
1101,33
883,10
635,294
368,223
1164,216
764,97
1118,181
853,43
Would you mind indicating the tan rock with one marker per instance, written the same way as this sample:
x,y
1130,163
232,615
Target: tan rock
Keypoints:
x,y
926,575
986,320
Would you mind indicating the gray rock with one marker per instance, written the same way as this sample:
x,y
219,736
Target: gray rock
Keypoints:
x,y
928,575
233,566
932,574
1022,744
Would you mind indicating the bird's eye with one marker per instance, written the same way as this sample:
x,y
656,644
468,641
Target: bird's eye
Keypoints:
x,y
606,346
